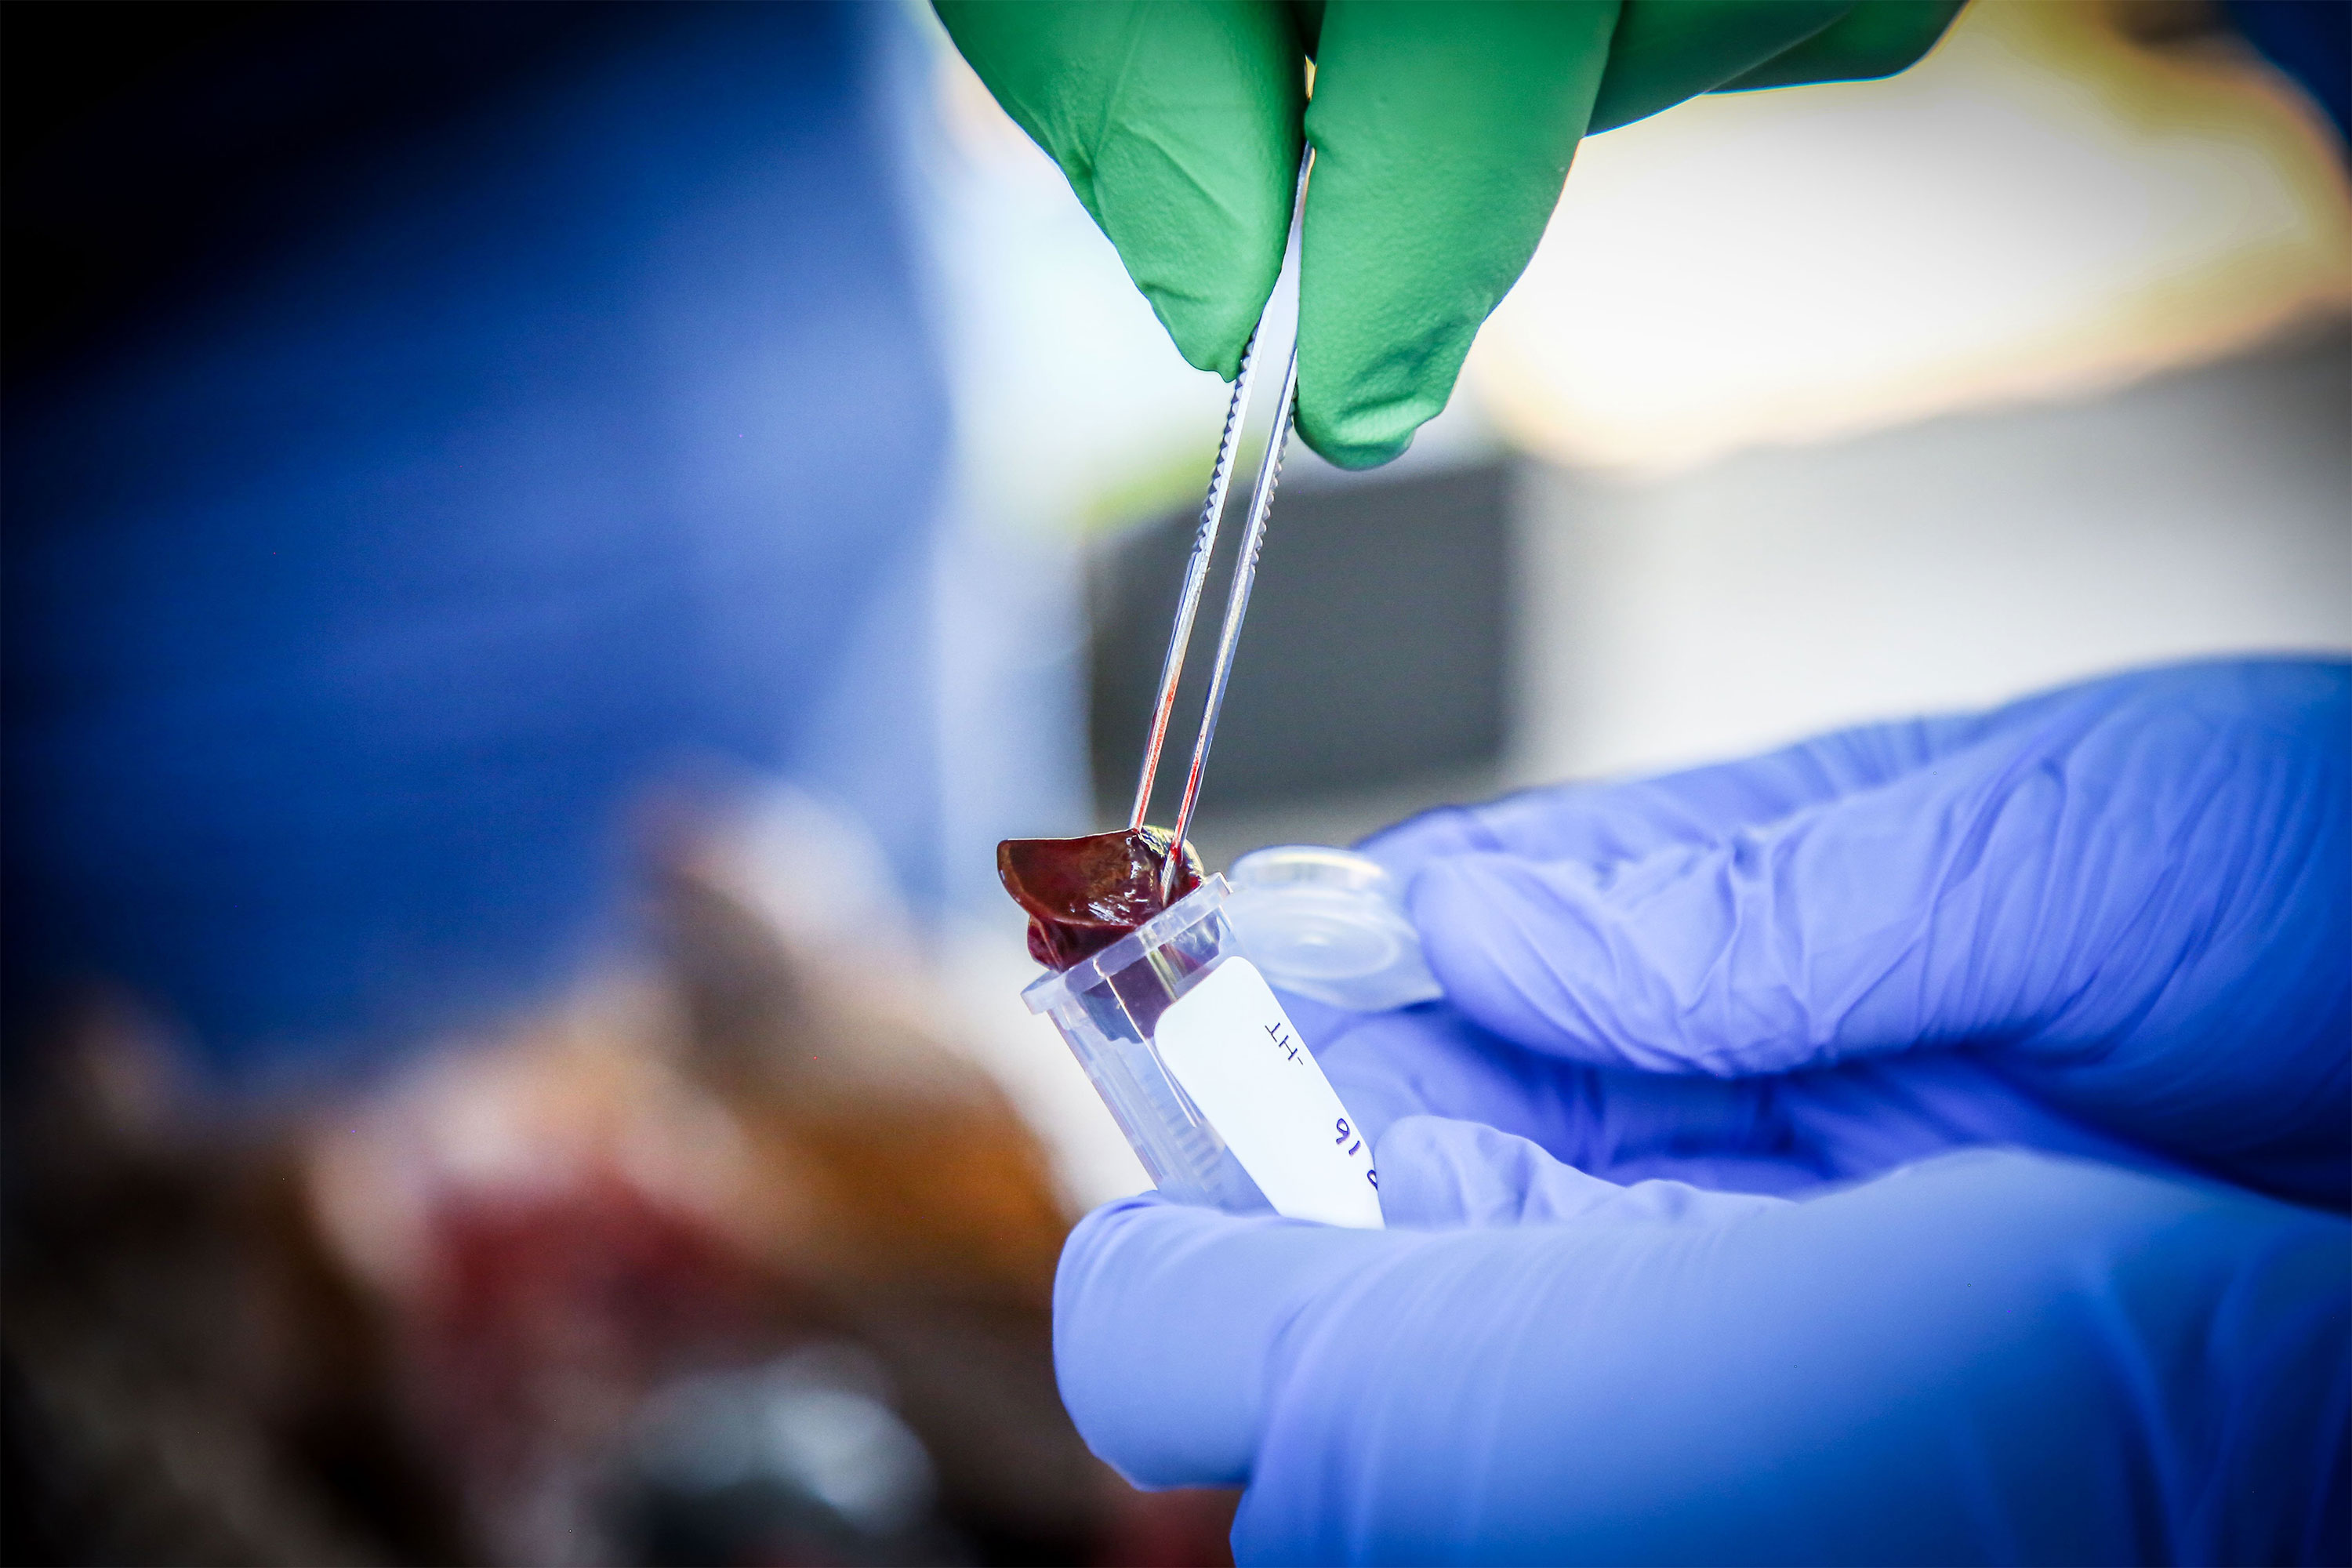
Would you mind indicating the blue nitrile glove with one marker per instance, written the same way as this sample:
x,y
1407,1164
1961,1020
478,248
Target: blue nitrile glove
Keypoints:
x,y
1785,1133
2112,921
1993,1355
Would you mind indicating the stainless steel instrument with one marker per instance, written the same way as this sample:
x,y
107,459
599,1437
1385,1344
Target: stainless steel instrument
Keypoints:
x,y
1196,571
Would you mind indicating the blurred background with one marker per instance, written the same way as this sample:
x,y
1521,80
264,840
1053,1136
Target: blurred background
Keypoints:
x,y
544,545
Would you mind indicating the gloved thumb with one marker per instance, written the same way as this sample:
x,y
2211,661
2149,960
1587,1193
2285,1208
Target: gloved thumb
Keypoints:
x,y
1165,1318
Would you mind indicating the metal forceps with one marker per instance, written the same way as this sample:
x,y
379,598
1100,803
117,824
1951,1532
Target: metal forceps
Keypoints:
x,y
1196,572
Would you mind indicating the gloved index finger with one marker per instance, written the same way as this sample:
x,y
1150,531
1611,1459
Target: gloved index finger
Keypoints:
x,y
1445,1173
2120,896
1601,823
1433,1061
1177,122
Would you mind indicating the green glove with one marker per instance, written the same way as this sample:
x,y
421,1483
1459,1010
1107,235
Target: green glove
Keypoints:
x,y
1443,132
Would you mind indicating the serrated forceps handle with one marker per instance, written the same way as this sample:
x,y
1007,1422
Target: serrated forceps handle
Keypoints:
x,y
1196,567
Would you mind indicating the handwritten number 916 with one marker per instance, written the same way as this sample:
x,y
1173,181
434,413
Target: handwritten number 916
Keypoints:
x,y
1346,1133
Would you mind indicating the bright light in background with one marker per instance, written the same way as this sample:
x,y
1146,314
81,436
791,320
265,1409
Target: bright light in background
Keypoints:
x,y
2041,208
1950,564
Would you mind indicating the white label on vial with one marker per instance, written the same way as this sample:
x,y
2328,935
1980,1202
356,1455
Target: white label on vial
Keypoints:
x,y
1229,1044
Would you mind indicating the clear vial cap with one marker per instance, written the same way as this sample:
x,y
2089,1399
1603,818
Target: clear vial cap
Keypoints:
x,y
1329,924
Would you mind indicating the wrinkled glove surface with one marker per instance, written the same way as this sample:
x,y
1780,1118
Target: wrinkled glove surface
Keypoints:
x,y
2107,919
1443,132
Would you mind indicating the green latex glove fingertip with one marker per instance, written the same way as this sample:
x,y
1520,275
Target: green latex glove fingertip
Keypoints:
x,y
1177,122
1442,134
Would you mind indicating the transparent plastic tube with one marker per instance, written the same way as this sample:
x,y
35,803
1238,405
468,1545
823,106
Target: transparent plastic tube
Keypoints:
x,y
1189,1047
1108,1007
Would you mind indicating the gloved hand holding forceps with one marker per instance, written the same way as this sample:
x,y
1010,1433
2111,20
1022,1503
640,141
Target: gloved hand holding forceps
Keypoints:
x,y
1443,134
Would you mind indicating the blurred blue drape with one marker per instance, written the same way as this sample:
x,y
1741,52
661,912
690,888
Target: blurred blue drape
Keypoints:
x,y
514,456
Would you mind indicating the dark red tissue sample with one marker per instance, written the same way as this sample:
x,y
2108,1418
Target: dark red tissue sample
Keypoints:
x,y
1083,894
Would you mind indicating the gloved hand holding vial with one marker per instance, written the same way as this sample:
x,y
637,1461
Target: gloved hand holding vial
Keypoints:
x,y
1929,1143
1859,1154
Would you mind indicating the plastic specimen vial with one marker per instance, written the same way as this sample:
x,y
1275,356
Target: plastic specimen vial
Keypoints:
x,y
1188,1046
